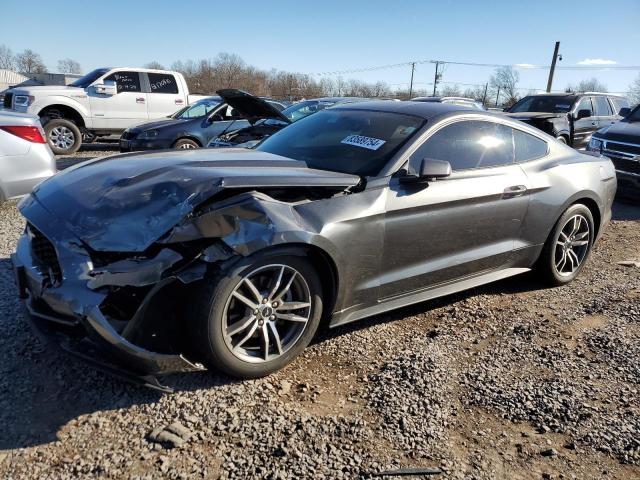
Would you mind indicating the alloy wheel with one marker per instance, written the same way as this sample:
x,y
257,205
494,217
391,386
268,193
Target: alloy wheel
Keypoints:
x,y
62,137
185,146
572,245
267,313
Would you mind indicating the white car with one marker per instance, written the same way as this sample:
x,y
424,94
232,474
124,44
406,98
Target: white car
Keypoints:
x,y
25,157
104,102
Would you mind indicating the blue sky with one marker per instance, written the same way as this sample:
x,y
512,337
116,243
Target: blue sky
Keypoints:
x,y
329,35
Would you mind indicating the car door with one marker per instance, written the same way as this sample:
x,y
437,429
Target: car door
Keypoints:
x,y
459,226
583,128
603,112
127,107
164,97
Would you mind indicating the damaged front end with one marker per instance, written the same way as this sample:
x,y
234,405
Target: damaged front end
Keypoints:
x,y
112,286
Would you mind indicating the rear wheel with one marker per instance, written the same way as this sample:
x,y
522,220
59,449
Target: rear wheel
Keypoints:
x,y
186,143
64,136
259,316
568,247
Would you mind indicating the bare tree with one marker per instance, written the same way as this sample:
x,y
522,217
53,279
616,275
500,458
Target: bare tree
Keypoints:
x,y
477,93
634,91
154,65
450,91
587,85
7,59
68,65
504,85
30,62
229,68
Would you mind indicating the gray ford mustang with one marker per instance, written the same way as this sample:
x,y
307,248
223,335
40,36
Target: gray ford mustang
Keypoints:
x,y
148,264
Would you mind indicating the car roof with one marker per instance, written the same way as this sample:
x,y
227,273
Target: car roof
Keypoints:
x,y
441,99
426,110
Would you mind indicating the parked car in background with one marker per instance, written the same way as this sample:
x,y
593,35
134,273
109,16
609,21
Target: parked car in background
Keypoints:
x,y
228,258
572,118
25,157
621,143
462,101
190,127
252,135
105,101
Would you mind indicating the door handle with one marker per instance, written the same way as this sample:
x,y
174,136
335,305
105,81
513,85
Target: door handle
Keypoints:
x,y
140,100
594,123
514,191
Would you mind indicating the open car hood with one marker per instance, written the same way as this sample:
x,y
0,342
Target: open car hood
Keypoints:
x,y
251,107
126,202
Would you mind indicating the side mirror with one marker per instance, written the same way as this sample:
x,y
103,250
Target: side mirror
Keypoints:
x,y
624,112
430,169
109,87
584,113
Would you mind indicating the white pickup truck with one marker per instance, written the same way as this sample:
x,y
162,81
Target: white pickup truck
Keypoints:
x,y
104,102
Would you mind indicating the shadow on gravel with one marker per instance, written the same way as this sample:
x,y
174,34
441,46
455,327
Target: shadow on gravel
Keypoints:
x,y
42,389
525,282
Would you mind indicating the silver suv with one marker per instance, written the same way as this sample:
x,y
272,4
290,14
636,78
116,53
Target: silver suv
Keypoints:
x,y
25,157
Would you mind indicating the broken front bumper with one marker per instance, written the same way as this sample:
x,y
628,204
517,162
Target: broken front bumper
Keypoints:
x,y
64,310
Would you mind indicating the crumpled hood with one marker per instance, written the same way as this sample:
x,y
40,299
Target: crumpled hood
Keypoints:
x,y
125,203
623,131
524,116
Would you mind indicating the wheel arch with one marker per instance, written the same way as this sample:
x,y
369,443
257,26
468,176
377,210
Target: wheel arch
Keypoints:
x,y
594,208
66,112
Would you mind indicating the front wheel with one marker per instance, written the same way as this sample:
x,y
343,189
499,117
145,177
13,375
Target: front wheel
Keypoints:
x,y
259,316
186,143
568,247
64,137
562,139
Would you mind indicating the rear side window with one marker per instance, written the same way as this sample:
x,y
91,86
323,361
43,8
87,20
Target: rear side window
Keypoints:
x,y
618,103
126,81
527,147
602,107
163,83
470,144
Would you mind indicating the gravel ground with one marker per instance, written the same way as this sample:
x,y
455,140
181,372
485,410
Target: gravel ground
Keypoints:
x,y
511,380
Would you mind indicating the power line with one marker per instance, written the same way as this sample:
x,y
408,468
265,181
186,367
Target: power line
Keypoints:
x,y
519,66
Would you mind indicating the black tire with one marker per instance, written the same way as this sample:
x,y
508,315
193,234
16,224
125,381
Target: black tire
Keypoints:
x,y
186,143
214,296
562,139
63,136
547,264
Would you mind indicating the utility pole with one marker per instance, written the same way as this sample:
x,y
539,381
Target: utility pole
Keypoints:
x,y
484,97
413,67
498,96
435,79
553,66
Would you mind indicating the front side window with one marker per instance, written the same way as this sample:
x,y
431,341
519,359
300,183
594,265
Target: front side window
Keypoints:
x,y
198,109
162,83
358,142
126,81
527,147
469,144
585,104
602,106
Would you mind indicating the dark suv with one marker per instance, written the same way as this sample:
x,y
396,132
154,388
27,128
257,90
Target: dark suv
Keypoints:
x,y
621,143
571,117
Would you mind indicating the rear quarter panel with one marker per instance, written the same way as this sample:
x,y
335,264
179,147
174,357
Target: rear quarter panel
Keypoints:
x,y
562,178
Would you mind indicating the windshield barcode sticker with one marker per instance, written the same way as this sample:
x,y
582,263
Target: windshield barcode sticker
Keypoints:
x,y
364,142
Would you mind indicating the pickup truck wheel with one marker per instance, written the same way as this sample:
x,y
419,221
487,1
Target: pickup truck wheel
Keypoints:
x,y
562,139
64,137
185,143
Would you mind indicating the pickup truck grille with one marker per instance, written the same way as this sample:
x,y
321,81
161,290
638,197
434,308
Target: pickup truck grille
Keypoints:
x,y
624,148
8,98
44,256
625,165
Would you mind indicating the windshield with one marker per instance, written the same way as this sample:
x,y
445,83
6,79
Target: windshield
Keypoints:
x,y
358,142
304,109
547,104
198,109
89,78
